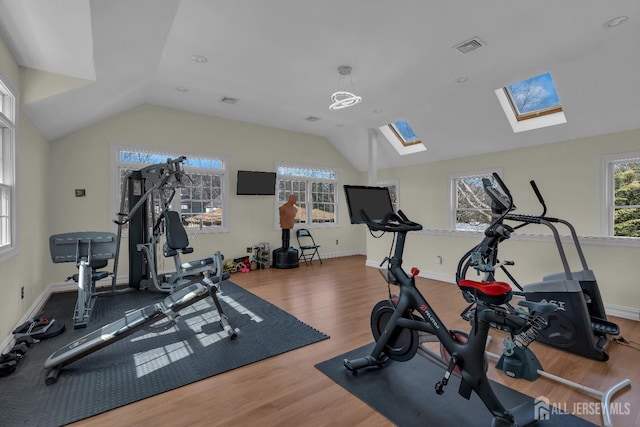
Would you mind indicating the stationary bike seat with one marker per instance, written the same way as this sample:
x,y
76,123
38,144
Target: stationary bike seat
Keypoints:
x,y
490,292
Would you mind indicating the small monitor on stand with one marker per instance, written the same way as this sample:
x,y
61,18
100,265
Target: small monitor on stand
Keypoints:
x,y
374,201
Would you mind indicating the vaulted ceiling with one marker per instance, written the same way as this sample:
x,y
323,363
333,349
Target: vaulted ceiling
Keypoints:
x,y
88,60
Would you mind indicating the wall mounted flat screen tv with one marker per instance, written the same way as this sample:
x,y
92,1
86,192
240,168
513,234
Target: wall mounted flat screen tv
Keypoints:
x,y
252,183
374,201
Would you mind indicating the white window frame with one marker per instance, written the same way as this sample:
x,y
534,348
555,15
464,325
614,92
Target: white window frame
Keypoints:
x,y
308,202
607,190
116,184
453,193
8,157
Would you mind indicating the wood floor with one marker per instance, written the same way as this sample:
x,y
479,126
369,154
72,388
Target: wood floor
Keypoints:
x,y
336,298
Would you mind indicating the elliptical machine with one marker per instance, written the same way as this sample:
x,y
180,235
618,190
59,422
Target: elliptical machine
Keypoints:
x,y
517,360
579,325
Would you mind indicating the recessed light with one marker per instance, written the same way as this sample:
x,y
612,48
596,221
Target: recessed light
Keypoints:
x,y
199,59
616,21
377,111
182,89
312,118
462,79
228,100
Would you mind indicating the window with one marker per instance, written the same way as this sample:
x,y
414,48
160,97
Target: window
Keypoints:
x,y
621,212
316,190
201,201
393,187
532,103
8,228
404,132
533,97
470,205
402,137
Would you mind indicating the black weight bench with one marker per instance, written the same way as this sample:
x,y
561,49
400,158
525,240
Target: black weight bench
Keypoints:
x,y
144,317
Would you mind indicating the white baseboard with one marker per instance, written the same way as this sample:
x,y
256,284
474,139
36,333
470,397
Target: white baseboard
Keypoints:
x,y
621,311
328,255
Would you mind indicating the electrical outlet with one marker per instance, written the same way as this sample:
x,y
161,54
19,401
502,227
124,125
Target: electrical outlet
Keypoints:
x,y
22,292
249,249
336,241
439,260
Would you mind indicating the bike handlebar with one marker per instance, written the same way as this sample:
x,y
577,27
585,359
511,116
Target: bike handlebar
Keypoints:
x,y
392,223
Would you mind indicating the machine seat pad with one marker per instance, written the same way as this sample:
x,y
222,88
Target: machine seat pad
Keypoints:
x,y
489,292
185,296
196,264
95,276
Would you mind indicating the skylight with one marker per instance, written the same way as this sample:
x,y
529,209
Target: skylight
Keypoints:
x,y
405,133
402,136
534,97
532,103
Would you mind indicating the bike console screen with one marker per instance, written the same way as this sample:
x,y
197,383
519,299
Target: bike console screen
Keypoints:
x,y
374,201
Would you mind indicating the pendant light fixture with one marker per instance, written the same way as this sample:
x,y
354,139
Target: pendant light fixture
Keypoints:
x,y
344,98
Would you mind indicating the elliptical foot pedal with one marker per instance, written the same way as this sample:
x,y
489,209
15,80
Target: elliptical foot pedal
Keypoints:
x,y
52,376
602,327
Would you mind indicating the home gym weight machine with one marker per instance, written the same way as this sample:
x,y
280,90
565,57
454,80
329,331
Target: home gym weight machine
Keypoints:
x,y
401,324
149,192
517,360
155,318
89,251
580,324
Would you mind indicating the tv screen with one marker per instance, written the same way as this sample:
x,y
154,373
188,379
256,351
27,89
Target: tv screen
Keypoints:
x,y
253,183
374,201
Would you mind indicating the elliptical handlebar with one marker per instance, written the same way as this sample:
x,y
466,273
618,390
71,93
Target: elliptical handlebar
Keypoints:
x,y
392,223
534,186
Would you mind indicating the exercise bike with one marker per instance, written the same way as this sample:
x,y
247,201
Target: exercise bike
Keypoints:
x,y
401,324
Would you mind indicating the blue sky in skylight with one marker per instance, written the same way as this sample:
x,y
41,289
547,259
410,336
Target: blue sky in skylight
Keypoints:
x,y
405,130
534,94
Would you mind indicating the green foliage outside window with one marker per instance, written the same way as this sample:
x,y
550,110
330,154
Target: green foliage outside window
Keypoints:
x,y
626,217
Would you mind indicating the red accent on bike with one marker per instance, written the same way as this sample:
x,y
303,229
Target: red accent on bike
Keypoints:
x,y
415,271
487,288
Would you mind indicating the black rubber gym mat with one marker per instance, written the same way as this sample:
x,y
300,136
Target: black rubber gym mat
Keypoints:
x,y
144,364
404,393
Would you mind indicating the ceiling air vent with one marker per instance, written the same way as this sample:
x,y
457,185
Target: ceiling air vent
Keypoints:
x,y
228,100
469,46
312,118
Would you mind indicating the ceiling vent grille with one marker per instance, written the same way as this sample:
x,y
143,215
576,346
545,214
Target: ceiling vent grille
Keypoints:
x,y
228,100
469,46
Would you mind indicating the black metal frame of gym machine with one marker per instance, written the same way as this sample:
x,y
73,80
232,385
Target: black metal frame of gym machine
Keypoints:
x,y
141,186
